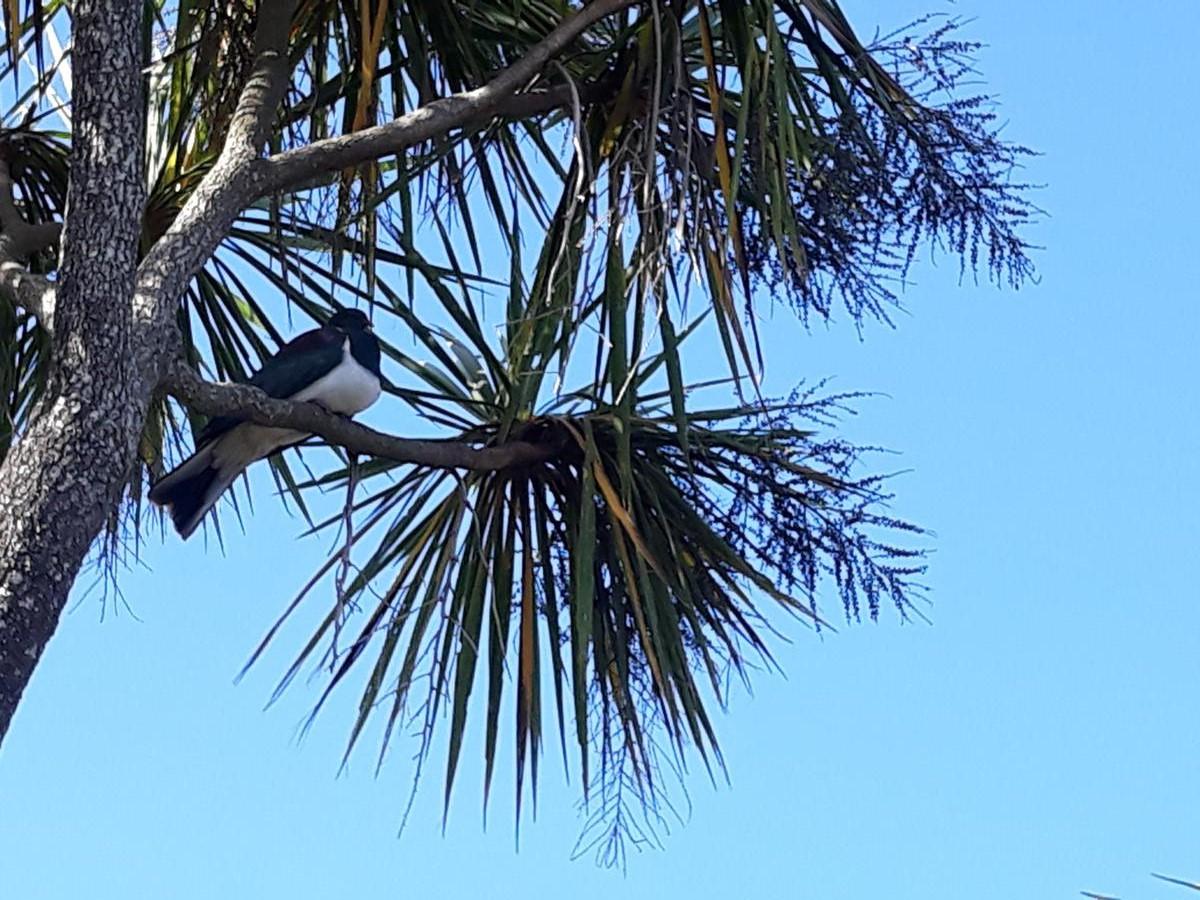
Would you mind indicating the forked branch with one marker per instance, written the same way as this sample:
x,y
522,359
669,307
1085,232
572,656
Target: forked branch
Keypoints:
x,y
240,177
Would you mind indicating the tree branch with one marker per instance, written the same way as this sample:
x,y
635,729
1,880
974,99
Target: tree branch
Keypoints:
x,y
19,240
253,405
499,96
206,218
524,105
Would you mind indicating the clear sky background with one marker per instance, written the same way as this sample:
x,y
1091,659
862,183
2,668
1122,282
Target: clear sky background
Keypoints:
x,y
1038,738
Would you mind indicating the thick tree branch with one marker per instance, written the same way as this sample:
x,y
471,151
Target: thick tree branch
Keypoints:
x,y
19,240
250,403
206,218
524,105
498,97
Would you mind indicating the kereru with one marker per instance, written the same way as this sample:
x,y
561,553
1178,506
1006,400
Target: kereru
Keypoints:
x,y
336,366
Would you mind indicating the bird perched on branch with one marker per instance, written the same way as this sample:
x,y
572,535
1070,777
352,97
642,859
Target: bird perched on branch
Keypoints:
x,y
336,366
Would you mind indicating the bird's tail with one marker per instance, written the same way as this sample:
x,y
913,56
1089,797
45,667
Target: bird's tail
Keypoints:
x,y
193,488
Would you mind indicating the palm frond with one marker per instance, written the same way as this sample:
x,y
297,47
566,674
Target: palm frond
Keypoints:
x,y
629,566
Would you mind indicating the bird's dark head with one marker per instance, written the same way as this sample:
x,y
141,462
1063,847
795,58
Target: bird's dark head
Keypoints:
x,y
349,321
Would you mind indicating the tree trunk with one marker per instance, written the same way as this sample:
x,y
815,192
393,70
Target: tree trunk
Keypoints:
x,y
63,478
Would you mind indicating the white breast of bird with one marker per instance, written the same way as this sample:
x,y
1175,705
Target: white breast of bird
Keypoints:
x,y
348,389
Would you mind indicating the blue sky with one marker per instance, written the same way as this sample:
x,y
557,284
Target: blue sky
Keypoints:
x,y
1038,738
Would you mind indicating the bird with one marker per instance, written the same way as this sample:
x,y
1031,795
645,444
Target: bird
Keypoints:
x,y
335,366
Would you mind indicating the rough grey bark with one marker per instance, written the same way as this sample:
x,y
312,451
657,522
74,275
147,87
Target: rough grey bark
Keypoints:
x,y
115,340
63,477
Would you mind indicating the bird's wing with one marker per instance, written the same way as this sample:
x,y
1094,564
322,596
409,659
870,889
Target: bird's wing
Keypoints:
x,y
299,363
